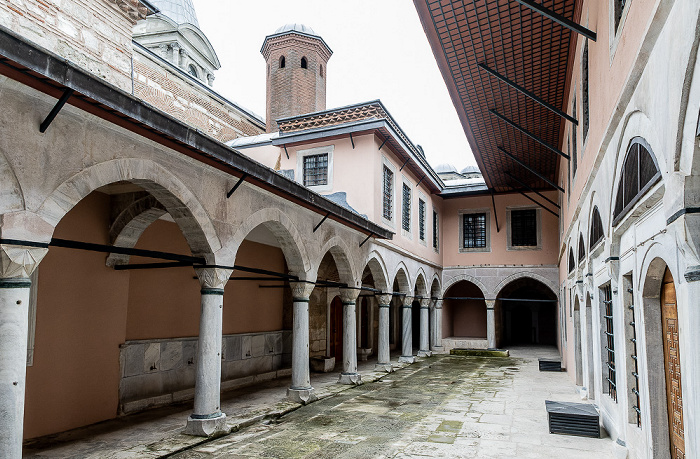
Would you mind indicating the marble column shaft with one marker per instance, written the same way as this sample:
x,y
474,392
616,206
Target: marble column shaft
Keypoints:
x,y
300,389
383,353
349,374
407,332
438,326
424,342
491,323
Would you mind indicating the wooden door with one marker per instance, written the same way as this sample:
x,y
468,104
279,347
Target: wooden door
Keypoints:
x,y
672,365
336,344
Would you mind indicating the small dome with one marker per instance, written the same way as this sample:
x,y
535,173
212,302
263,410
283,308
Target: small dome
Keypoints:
x,y
445,168
180,11
470,170
301,28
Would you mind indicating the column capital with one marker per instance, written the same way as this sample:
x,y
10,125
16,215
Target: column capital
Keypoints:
x,y
211,277
20,260
438,304
407,301
490,304
425,303
349,295
301,290
384,299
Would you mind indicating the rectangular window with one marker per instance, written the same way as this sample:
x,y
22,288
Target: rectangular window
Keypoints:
x,y
609,342
316,170
406,208
574,155
388,193
473,231
421,219
584,90
523,227
435,230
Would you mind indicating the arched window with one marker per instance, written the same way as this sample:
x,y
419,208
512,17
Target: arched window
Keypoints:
x,y
639,173
320,72
192,70
572,261
304,64
581,248
596,228
282,62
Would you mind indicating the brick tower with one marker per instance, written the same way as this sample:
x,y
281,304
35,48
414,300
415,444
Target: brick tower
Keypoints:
x,y
296,72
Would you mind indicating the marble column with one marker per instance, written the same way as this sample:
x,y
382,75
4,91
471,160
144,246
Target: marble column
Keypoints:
x,y
207,418
424,342
16,265
349,374
407,332
383,354
438,347
432,324
491,323
301,391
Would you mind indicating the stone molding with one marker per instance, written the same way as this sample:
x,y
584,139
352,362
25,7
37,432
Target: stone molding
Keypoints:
x,y
213,278
425,303
407,301
438,304
349,295
19,260
383,300
301,291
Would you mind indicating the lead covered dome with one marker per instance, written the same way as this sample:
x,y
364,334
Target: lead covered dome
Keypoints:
x,y
301,28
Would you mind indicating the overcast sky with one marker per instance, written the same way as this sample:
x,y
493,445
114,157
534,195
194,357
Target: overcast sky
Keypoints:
x,y
379,52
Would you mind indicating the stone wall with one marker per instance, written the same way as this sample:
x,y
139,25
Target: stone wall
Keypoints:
x,y
160,372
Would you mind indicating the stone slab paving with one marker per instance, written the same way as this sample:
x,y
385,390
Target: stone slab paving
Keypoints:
x,y
444,406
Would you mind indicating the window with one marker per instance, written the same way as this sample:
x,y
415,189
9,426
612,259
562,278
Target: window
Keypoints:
x,y
584,91
406,208
596,228
574,143
435,230
282,62
316,170
609,342
581,248
639,173
572,261
473,231
635,413
387,193
619,8
320,70
192,70
304,63
421,219
523,228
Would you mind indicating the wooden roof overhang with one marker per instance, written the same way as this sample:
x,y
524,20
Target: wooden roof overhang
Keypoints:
x,y
478,44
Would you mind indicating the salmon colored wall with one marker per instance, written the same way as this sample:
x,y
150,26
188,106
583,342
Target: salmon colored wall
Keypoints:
x,y
499,255
80,322
464,318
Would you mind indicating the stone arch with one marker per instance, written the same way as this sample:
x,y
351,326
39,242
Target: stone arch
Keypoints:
x,y
377,267
343,261
180,202
401,276
420,288
130,224
284,230
11,196
686,145
464,277
526,275
435,288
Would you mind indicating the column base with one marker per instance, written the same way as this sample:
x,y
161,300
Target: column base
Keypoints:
x,y
438,349
207,427
303,396
407,359
351,379
386,367
424,354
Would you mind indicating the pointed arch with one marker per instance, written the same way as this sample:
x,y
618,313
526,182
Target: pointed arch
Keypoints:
x,y
596,232
401,277
581,248
420,288
377,267
343,261
304,63
527,275
435,288
11,197
464,277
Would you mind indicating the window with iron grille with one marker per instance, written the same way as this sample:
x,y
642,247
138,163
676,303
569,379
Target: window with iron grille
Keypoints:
x,y
639,173
596,228
585,100
574,143
421,219
619,8
316,170
406,208
473,231
523,227
609,342
633,382
388,193
581,248
435,230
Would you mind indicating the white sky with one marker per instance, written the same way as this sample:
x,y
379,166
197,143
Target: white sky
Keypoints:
x,y
379,52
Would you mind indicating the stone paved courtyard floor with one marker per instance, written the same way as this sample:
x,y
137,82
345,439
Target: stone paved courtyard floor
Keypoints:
x,y
443,406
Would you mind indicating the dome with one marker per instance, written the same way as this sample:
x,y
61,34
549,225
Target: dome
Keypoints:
x,y
301,28
180,11
470,170
445,168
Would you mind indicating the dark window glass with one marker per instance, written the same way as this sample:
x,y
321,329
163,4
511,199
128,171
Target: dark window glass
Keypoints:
x,y
574,143
316,170
572,262
596,228
609,340
304,64
388,193
523,227
639,173
435,230
581,248
192,70
619,8
406,208
282,62
320,70
584,89
473,231
421,219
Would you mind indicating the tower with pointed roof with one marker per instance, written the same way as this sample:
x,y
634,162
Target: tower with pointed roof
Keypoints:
x,y
296,60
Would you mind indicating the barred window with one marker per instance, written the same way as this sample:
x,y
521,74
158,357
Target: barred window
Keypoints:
x,y
473,231
523,227
581,248
633,365
639,173
584,91
388,193
574,143
316,170
435,230
596,228
421,219
609,341
406,208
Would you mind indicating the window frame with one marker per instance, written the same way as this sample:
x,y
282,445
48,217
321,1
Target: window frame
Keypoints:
x,y
406,208
487,230
436,230
538,228
422,237
594,243
301,154
607,329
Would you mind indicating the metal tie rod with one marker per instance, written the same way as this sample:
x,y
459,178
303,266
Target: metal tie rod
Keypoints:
x,y
530,169
559,19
